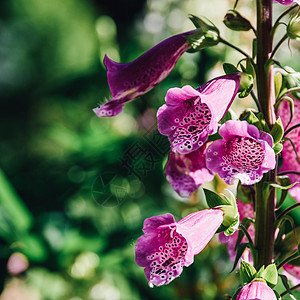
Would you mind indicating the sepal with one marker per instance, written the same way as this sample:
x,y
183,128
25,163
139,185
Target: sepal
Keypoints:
x,y
277,131
206,35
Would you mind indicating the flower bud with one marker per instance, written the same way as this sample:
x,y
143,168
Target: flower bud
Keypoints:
x,y
293,28
258,290
235,21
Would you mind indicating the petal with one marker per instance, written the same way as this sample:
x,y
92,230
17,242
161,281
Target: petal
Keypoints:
x,y
198,229
256,290
186,172
220,92
287,2
234,128
109,109
177,95
187,123
131,80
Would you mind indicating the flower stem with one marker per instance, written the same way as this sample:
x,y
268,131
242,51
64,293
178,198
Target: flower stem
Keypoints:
x,y
232,46
265,203
291,289
279,44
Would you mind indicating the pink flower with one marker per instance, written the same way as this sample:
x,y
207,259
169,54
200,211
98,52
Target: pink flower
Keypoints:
x,y
293,273
245,211
289,158
129,81
256,290
287,2
191,115
186,172
167,246
244,153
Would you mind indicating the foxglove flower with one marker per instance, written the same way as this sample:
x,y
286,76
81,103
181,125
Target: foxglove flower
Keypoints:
x,y
288,2
129,81
186,172
245,211
244,153
191,115
167,246
290,162
256,290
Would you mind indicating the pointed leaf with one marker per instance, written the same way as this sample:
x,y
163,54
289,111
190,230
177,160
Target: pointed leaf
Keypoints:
x,y
247,272
213,199
277,148
277,131
229,68
270,275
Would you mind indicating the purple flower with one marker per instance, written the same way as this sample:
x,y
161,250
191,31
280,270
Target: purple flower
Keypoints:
x,y
256,290
290,162
245,211
186,172
244,153
129,81
167,246
191,115
287,2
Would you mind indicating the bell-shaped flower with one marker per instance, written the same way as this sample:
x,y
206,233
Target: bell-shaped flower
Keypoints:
x,y
256,290
244,153
129,81
290,161
288,2
166,246
245,211
186,172
191,115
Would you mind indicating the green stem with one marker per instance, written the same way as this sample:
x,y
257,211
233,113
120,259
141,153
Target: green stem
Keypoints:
x,y
278,45
291,289
265,204
288,210
277,22
232,46
293,256
289,91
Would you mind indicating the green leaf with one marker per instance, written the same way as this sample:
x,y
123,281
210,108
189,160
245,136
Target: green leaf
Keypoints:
x,y
283,187
247,272
277,131
234,297
230,69
284,181
260,272
277,83
277,148
249,67
270,275
252,119
19,214
213,199
230,115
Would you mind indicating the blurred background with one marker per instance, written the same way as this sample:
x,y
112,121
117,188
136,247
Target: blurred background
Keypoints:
x,y
75,189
